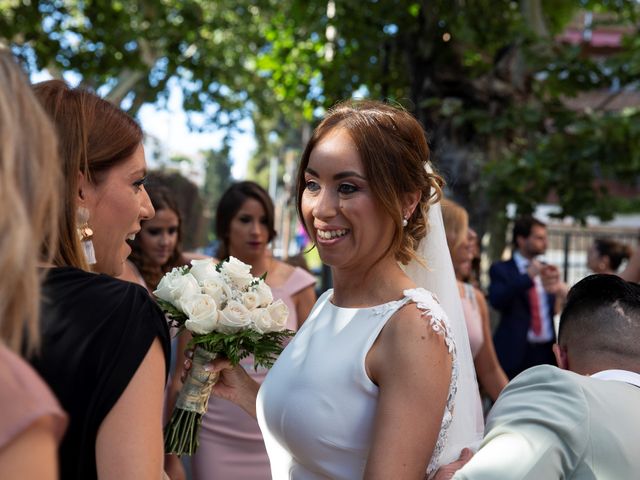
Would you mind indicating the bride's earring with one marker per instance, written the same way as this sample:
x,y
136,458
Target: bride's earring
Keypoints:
x,y
85,234
405,222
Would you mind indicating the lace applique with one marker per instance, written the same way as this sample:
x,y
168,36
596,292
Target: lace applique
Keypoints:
x,y
429,305
388,307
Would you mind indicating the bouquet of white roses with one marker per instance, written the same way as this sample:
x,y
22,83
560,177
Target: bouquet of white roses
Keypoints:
x,y
229,313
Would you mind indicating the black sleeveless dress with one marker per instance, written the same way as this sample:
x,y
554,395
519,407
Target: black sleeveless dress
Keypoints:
x,y
96,330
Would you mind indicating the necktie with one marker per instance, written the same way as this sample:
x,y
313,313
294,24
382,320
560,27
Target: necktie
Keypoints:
x,y
534,304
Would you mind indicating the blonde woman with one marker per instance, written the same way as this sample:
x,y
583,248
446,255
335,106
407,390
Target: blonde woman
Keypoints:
x,y
31,420
476,312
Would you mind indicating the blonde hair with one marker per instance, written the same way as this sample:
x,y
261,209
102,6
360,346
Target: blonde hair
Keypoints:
x,y
456,223
30,186
394,152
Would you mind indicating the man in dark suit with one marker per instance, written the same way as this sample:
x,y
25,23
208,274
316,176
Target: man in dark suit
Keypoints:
x,y
522,290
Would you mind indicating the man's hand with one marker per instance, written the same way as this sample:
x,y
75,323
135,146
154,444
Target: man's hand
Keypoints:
x,y
534,268
446,472
550,276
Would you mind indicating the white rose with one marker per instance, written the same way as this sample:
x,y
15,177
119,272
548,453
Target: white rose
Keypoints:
x,y
174,286
264,293
203,269
239,273
279,315
250,300
261,320
233,317
202,312
217,288
166,285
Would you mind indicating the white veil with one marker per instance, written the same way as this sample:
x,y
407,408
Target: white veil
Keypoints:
x,y
467,426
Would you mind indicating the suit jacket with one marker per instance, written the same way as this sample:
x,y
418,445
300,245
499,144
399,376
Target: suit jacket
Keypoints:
x,y
508,293
550,423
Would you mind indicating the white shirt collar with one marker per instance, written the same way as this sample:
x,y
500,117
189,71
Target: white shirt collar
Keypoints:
x,y
521,262
619,375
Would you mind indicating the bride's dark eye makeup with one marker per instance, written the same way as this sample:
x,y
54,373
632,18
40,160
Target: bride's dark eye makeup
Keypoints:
x,y
312,186
347,188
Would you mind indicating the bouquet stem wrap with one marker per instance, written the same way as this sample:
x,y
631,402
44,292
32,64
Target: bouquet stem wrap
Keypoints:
x,y
181,433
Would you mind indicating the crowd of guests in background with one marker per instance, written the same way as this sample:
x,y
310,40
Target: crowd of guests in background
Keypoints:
x,y
88,399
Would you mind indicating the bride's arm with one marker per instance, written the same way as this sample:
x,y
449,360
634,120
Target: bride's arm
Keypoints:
x,y
412,368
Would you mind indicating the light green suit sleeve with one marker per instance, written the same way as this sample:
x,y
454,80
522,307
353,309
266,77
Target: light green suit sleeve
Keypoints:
x,y
538,429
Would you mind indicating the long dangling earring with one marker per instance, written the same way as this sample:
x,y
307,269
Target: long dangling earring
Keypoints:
x,y
85,234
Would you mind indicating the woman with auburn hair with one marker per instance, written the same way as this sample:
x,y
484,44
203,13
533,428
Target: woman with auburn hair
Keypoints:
x,y
31,420
105,343
231,445
335,405
476,312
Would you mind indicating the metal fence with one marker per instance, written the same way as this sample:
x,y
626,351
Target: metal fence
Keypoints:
x,y
567,250
568,247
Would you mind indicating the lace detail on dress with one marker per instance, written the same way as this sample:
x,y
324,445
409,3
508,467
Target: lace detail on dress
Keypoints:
x,y
430,306
385,308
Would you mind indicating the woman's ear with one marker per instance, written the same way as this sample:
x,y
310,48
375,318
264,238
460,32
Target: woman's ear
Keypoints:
x,y
82,188
409,203
85,192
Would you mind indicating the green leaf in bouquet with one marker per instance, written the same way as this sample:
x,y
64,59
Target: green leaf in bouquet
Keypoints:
x,y
266,351
265,348
176,316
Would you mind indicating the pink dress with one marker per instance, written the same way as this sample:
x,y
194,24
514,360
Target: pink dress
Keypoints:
x,y
231,445
24,399
473,318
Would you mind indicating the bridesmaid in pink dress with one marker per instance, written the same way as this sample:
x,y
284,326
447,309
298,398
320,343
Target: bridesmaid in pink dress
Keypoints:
x,y
231,445
490,375
31,420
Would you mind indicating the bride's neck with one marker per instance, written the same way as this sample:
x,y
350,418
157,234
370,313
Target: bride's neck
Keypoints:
x,y
371,285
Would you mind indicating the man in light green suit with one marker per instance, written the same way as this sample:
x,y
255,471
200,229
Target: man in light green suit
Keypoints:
x,y
581,420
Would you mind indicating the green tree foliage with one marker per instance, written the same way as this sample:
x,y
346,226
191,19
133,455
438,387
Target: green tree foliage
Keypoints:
x,y
129,50
217,180
488,79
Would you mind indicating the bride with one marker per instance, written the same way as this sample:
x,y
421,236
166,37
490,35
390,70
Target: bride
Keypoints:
x,y
379,381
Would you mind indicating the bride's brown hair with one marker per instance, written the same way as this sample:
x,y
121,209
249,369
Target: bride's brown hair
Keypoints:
x,y
394,152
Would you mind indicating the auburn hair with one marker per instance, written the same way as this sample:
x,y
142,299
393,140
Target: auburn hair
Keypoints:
x,y
94,136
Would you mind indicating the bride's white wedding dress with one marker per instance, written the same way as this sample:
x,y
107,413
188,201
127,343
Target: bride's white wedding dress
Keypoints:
x,y
317,406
